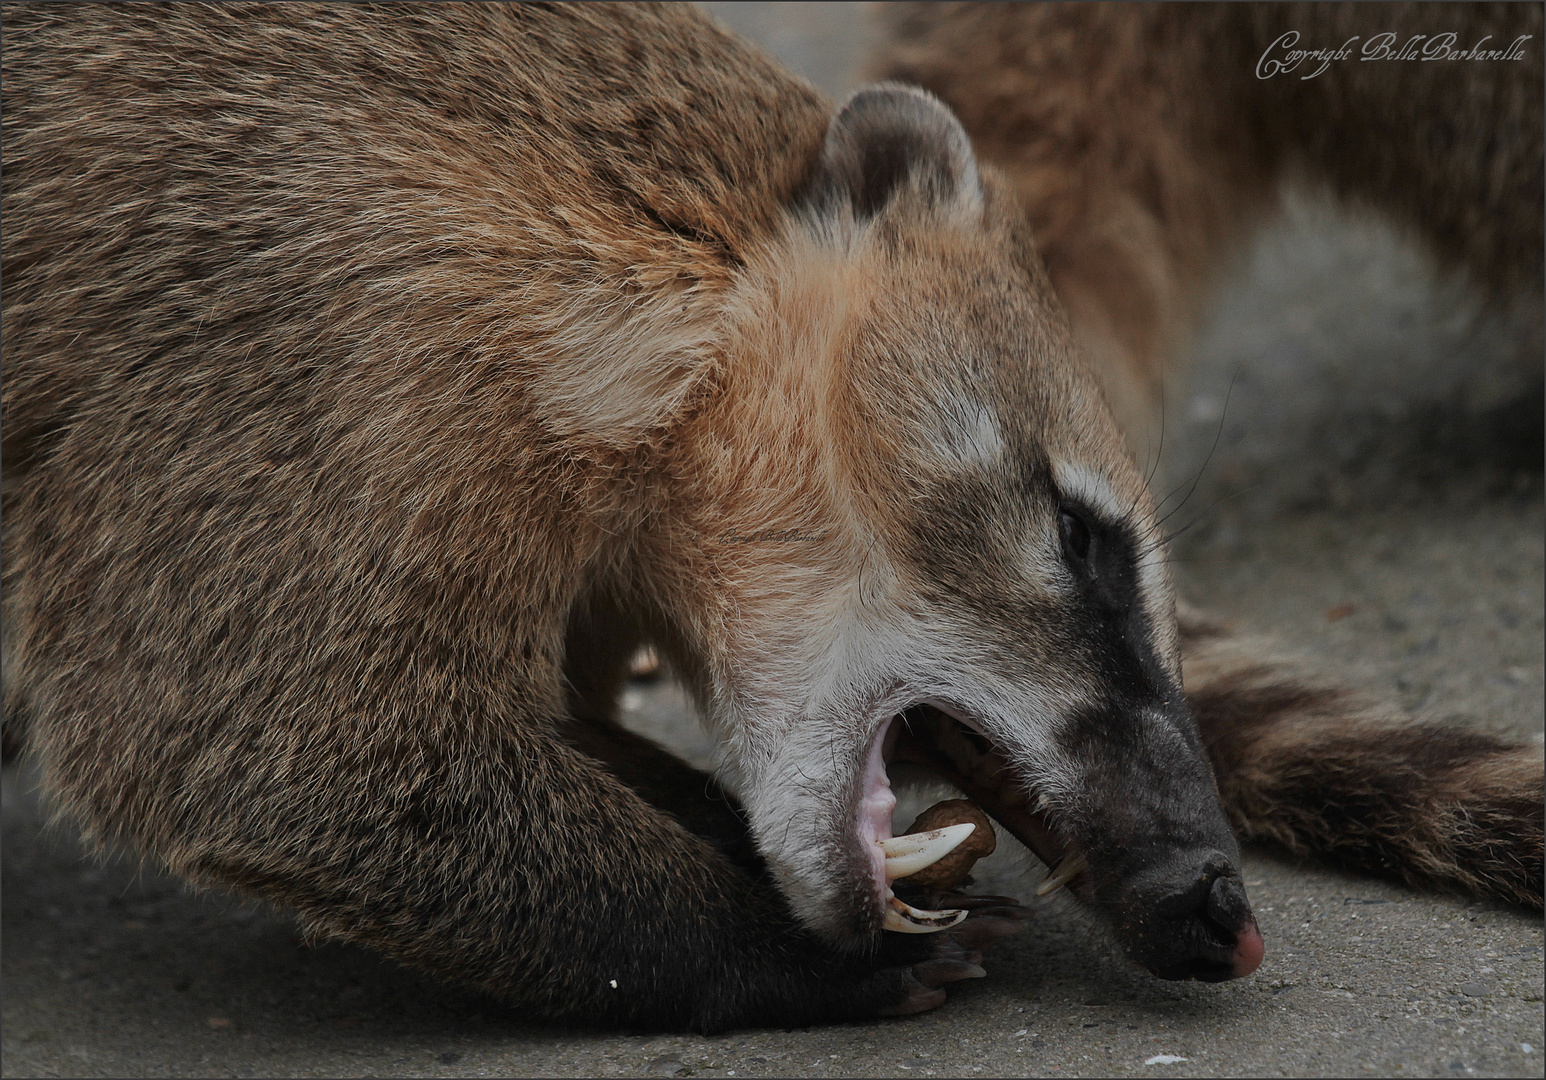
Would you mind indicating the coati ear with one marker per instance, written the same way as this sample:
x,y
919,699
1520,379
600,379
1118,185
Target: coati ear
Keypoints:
x,y
888,138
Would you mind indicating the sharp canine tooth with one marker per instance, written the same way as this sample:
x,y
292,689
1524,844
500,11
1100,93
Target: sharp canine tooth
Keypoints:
x,y
1064,871
908,854
905,919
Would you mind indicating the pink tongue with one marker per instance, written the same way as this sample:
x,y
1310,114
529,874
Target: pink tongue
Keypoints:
x,y
1249,950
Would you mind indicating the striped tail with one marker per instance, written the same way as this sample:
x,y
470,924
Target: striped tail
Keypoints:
x,y
1321,770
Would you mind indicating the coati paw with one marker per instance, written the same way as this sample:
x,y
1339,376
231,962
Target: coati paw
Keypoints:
x,y
921,997
955,954
923,983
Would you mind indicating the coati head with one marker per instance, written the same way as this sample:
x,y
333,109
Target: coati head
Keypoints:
x,y
910,532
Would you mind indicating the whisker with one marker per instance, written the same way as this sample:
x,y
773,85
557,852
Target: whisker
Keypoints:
x,y
1159,453
1218,434
1228,496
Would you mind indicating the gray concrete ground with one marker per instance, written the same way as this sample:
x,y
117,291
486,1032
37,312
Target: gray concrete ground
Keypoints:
x,y
1432,598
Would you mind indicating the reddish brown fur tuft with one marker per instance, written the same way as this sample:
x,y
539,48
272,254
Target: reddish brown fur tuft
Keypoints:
x,y
1319,770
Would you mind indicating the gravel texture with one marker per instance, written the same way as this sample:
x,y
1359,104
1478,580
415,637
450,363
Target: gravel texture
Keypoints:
x,y
1338,534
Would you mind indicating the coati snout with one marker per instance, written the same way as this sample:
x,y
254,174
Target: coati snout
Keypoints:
x,y
386,376
1179,906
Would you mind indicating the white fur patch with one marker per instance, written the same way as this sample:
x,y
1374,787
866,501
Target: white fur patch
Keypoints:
x,y
620,366
1091,489
969,434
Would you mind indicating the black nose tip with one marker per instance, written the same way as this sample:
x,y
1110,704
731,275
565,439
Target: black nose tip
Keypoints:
x,y
1228,909
1208,923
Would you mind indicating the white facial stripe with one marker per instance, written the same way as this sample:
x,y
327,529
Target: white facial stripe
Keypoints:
x,y
1154,589
1091,489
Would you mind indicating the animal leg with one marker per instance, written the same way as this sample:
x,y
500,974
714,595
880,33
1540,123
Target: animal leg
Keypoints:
x,y
692,797
517,865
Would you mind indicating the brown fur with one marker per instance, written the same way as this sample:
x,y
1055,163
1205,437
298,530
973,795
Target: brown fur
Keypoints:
x,y
1317,769
366,405
1145,148
318,603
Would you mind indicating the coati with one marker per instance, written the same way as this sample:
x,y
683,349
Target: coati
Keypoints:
x,y
377,379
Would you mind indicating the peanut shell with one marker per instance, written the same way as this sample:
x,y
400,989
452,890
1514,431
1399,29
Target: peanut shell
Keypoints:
x,y
954,868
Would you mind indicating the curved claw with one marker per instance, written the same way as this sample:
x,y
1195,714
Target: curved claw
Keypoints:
x,y
903,918
989,919
956,954
920,998
937,973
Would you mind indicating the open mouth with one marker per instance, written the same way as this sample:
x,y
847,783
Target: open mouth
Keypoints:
x,y
1182,915
927,742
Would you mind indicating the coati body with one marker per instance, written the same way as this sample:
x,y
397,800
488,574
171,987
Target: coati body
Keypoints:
x,y
376,380
1148,141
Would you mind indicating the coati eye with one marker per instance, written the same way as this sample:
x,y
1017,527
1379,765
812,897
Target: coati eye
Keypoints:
x,y
1075,532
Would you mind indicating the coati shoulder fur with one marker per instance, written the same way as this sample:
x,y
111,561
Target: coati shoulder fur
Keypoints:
x,y
376,379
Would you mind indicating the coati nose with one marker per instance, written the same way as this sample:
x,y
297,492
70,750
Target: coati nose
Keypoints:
x,y
1215,932
1249,950
1230,912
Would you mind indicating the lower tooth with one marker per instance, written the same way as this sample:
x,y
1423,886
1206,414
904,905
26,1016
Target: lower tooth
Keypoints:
x,y
906,919
1061,874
